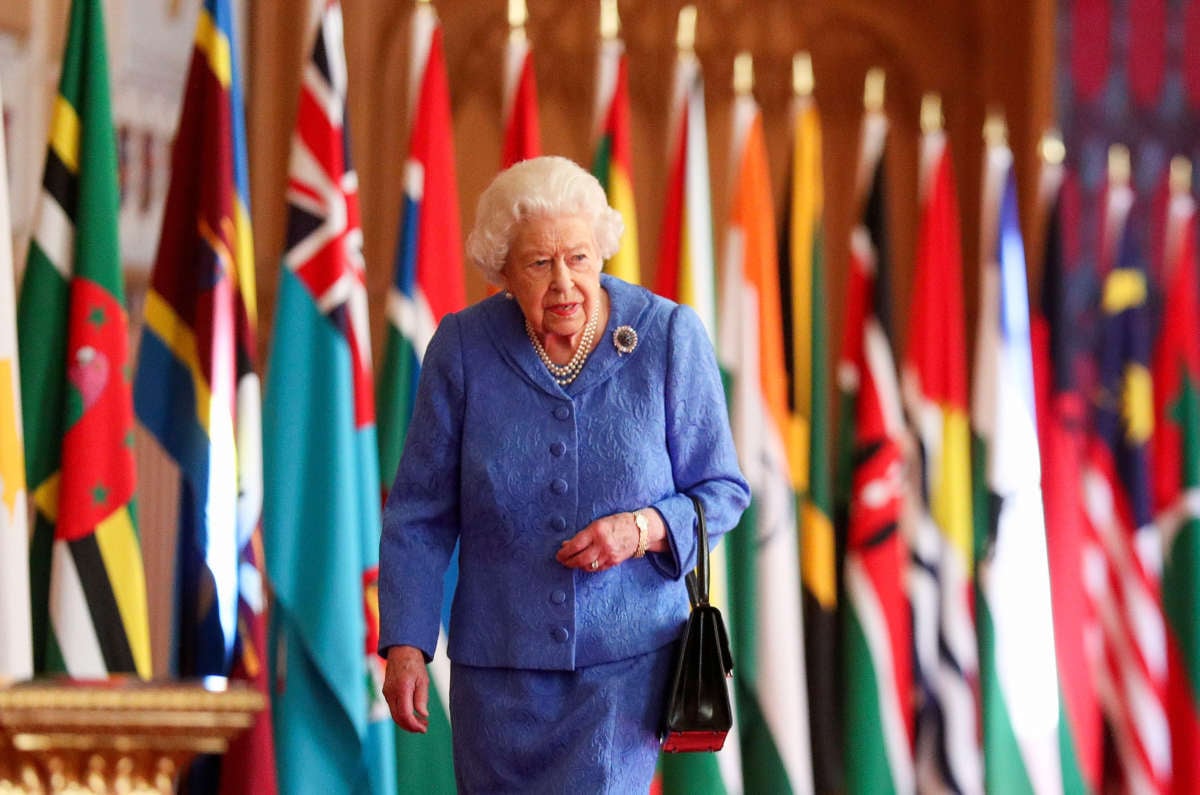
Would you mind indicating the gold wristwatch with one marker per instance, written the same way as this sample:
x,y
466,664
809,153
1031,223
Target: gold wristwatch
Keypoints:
x,y
643,527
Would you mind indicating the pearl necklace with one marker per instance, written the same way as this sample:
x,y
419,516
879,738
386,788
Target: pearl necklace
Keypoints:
x,y
566,373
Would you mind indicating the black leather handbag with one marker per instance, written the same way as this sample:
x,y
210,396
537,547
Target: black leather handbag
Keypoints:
x,y
699,713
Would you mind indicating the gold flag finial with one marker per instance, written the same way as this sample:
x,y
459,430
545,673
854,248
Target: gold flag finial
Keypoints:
x,y
802,74
610,20
685,33
995,129
424,2
1119,168
518,14
931,113
1181,174
873,89
743,73
1051,148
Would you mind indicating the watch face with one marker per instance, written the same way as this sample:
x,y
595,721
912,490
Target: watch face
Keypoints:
x,y
640,520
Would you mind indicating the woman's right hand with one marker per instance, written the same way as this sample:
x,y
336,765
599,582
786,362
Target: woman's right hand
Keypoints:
x,y
406,688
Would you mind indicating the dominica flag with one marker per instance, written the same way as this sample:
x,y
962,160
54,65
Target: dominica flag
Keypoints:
x,y
805,341
935,389
198,392
1018,678
321,506
1176,458
1119,505
1062,425
612,161
88,584
764,552
522,131
427,285
876,628
686,274
16,652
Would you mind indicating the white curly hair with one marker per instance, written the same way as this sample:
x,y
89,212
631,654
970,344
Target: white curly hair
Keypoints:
x,y
540,186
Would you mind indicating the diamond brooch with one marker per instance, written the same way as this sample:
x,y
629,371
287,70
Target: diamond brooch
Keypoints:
x,y
625,339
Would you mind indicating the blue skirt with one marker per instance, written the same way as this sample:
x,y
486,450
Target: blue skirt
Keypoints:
x,y
593,729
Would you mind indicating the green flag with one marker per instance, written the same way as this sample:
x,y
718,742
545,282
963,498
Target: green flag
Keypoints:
x,y
88,585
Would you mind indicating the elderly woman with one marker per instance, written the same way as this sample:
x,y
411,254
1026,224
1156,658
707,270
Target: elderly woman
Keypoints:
x,y
558,431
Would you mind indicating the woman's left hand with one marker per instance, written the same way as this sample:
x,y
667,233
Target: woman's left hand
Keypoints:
x,y
610,541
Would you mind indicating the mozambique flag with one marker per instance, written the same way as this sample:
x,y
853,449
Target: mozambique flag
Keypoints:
x,y
1176,458
805,341
16,652
522,135
198,392
1018,678
686,274
1119,503
876,627
1062,424
321,509
764,554
936,393
612,162
88,585
427,285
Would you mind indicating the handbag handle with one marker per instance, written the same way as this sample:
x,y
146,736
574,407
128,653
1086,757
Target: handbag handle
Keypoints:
x,y
697,581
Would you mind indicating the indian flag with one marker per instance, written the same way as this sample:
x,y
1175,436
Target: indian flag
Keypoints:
x,y
16,652
767,621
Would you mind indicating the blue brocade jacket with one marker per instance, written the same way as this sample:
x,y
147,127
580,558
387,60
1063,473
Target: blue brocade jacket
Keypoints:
x,y
502,460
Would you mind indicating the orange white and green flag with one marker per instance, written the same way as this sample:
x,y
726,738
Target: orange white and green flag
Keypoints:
x,y
612,162
764,550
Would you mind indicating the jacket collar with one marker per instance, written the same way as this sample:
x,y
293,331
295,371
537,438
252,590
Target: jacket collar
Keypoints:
x,y
627,303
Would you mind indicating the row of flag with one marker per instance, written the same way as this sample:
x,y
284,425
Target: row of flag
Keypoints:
x,y
972,584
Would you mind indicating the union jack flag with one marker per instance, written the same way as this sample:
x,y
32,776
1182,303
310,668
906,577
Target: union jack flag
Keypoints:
x,y
324,236
322,504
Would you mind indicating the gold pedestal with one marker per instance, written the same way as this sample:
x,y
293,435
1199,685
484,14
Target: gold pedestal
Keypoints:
x,y
114,737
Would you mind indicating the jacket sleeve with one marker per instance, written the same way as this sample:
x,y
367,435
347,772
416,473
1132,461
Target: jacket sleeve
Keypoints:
x,y
700,446
421,515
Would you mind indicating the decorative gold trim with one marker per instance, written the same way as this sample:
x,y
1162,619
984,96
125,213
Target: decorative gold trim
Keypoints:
x,y
120,735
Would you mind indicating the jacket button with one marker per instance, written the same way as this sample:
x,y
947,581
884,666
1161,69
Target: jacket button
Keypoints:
x,y
558,486
558,523
562,412
557,449
558,597
560,634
